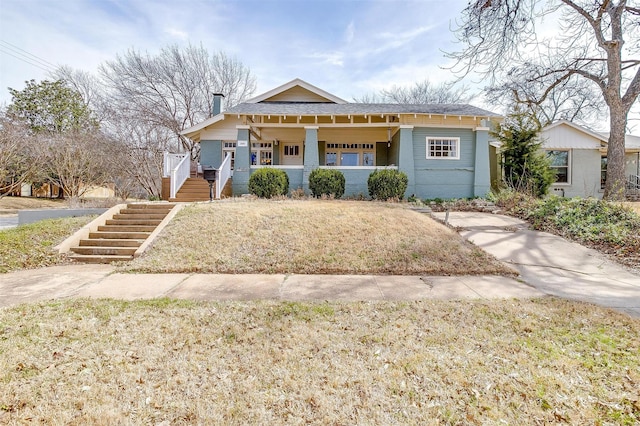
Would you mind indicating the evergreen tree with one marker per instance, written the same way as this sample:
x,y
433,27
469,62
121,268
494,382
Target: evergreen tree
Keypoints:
x,y
525,166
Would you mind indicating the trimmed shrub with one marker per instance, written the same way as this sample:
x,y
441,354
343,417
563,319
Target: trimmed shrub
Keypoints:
x,y
268,183
387,184
328,182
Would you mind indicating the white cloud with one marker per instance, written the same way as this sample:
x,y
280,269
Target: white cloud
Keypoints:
x,y
350,32
181,35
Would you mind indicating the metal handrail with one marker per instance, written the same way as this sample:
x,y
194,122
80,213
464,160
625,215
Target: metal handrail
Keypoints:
x,y
179,175
224,173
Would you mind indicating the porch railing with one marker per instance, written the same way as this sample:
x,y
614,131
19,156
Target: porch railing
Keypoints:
x,y
224,173
179,174
633,184
170,162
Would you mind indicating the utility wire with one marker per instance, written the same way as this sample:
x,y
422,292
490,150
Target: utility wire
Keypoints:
x,y
25,56
24,60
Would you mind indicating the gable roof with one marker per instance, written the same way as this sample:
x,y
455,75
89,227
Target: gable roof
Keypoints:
x,y
318,94
577,127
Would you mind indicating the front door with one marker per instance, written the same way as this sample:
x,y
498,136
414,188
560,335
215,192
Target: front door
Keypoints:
x,y
291,154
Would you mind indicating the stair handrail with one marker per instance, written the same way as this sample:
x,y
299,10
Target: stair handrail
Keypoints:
x,y
179,175
224,173
170,161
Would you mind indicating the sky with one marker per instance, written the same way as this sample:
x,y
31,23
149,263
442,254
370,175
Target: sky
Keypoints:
x,y
346,47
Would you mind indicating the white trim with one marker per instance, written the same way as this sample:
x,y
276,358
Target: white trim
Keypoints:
x,y
359,167
208,122
243,127
569,160
450,138
482,129
595,135
278,166
292,84
311,127
407,126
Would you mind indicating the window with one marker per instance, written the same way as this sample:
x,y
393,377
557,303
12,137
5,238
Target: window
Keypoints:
x,y
443,148
261,153
292,150
560,164
350,154
603,172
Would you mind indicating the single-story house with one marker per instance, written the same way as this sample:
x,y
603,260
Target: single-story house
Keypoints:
x,y
297,127
579,157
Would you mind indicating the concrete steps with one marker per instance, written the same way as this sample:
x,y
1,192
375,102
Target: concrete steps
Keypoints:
x,y
120,237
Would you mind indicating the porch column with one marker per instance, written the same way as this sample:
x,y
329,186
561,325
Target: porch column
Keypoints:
x,y
482,172
242,162
311,158
406,162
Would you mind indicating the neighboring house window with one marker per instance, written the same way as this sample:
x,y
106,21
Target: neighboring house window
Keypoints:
x,y
443,148
560,164
261,153
603,172
350,154
229,148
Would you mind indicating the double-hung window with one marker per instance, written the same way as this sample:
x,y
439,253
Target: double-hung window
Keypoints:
x,y
560,165
443,148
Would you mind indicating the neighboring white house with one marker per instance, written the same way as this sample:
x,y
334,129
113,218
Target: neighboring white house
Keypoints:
x,y
579,157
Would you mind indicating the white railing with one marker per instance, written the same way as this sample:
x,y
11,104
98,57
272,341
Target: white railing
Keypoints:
x,y
179,174
224,173
170,162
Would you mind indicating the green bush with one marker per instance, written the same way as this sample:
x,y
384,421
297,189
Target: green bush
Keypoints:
x,y
387,184
268,183
328,182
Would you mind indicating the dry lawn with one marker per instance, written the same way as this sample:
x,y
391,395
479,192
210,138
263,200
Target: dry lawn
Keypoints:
x,y
635,205
311,237
11,205
161,362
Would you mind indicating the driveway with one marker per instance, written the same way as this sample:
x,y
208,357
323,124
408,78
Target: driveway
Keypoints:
x,y
550,263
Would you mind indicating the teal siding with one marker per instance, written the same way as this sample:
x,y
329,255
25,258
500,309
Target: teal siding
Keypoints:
x,y
211,153
444,178
355,181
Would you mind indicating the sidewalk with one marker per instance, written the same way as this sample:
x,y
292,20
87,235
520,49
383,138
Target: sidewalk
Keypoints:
x,y
102,282
549,263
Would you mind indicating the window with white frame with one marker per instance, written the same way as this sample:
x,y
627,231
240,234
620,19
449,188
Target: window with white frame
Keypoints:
x,y
349,154
443,148
560,164
603,172
261,153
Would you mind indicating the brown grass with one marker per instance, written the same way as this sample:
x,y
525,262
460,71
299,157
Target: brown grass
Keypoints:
x,y
11,205
312,237
635,205
163,362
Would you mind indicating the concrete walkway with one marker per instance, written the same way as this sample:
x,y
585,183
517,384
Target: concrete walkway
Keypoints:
x,y
549,263
100,281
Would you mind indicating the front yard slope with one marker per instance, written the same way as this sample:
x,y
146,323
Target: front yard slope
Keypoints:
x,y
312,237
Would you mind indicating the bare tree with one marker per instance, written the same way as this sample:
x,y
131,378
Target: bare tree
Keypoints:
x,y
174,89
422,92
590,44
574,100
18,155
75,161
